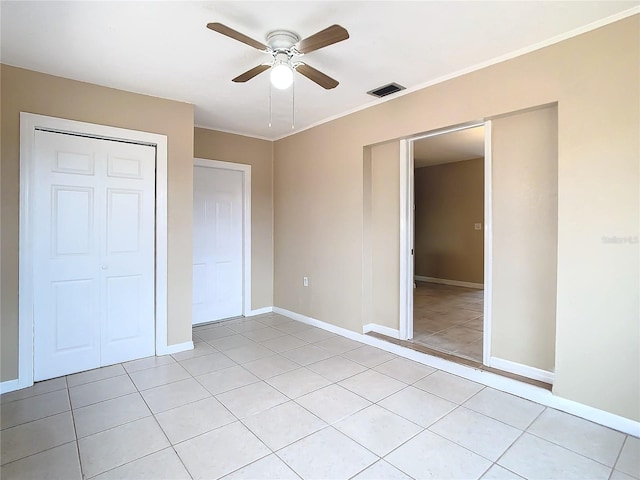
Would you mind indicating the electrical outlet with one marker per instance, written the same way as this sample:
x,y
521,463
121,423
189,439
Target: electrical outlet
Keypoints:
x,y
305,281
477,226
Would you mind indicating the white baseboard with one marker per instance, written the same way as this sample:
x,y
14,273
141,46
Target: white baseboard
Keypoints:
x,y
259,311
522,370
176,348
10,386
381,329
444,281
319,323
499,382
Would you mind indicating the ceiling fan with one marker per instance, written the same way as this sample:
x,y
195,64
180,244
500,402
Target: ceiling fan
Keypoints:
x,y
284,46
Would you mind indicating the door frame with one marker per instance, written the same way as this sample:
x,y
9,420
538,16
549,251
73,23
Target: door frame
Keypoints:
x,y
407,227
29,123
246,222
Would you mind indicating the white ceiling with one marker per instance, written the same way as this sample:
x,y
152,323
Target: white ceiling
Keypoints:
x,y
164,48
449,147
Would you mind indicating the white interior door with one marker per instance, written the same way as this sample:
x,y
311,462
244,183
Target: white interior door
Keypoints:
x,y
93,231
217,243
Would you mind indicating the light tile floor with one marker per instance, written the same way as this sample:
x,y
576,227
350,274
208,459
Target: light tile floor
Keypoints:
x,y
282,399
448,319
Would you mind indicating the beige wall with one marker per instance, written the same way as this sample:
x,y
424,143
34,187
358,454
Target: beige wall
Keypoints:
x,y
318,200
449,200
318,225
384,232
28,91
228,147
524,150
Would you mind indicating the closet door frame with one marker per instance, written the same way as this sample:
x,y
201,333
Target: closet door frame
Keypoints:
x,y
29,123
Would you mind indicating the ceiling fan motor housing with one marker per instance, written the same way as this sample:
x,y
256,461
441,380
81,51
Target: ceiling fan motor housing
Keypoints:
x,y
282,39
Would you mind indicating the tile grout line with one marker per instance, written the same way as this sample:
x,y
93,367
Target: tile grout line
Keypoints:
x,y
579,453
36,419
38,453
507,449
487,416
97,380
162,430
571,450
104,400
326,427
113,427
9,402
75,430
516,440
469,449
626,439
173,360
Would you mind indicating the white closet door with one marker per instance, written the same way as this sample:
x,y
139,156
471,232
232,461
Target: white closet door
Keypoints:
x,y
127,265
93,224
217,243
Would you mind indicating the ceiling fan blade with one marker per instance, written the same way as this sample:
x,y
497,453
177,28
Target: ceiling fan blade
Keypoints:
x,y
326,37
231,33
249,74
317,76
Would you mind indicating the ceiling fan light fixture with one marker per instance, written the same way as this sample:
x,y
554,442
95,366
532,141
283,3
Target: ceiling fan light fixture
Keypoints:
x,y
281,75
283,45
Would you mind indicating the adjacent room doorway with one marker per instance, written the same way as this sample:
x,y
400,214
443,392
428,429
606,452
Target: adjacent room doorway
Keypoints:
x,y
449,244
446,243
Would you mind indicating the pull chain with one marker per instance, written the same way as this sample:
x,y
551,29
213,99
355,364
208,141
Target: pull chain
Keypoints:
x,y
270,107
293,104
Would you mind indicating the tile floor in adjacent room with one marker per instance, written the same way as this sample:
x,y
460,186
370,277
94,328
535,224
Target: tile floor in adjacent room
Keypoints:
x,y
268,397
449,319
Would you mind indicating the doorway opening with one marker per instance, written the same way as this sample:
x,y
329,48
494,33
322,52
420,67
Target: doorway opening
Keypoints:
x,y
448,226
